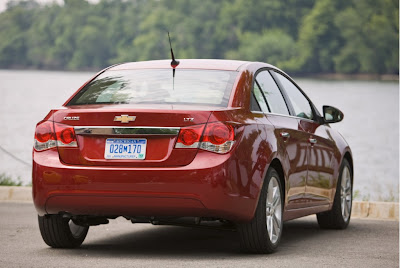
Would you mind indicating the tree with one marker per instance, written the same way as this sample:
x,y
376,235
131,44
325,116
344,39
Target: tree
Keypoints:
x,y
371,37
303,36
319,39
274,47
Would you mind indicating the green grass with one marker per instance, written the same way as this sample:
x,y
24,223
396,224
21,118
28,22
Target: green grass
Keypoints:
x,y
6,180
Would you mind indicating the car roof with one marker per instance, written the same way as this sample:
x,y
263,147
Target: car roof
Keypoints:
x,y
209,64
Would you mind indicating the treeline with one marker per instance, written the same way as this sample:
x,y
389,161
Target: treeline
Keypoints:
x,y
301,36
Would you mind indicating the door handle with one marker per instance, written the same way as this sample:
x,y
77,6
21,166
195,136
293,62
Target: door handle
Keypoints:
x,y
312,140
285,135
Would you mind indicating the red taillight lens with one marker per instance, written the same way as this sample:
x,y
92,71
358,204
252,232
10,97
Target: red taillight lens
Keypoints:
x,y
44,132
218,133
65,135
218,137
50,135
189,137
44,136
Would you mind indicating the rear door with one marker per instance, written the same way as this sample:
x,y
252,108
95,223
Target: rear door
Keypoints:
x,y
289,136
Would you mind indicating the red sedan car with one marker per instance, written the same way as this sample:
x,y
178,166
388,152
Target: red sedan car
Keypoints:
x,y
221,143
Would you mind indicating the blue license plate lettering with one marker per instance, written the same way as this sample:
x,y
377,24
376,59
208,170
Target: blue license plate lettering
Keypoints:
x,y
125,149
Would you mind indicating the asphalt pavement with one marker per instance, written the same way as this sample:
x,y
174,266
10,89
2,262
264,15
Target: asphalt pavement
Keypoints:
x,y
366,243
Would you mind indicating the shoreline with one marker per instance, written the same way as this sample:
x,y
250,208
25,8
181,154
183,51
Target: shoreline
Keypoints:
x,y
318,76
358,77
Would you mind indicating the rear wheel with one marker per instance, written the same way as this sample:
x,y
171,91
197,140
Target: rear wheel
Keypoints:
x,y
339,216
58,232
263,233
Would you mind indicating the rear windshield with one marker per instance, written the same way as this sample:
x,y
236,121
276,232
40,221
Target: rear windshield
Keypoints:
x,y
209,87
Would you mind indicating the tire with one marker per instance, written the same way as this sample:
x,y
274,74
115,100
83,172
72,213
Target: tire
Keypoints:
x,y
58,232
339,216
263,233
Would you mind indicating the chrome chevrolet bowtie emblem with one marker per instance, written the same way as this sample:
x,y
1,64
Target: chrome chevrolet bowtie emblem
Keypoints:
x,y
124,118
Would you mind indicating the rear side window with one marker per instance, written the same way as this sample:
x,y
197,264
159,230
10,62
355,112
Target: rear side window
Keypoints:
x,y
272,93
207,87
260,98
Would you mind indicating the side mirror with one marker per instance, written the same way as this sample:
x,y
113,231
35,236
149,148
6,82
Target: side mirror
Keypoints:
x,y
332,114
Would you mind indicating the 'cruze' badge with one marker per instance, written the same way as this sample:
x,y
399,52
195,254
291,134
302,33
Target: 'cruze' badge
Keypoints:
x,y
71,117
124,118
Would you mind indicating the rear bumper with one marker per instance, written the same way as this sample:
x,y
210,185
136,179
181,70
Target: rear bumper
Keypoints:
x,y
212,185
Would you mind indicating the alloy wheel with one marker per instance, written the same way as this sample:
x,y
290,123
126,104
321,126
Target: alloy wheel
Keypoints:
x,y
274,210
346,193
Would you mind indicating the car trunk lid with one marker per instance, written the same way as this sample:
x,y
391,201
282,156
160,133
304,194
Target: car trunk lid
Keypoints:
x,y
157,128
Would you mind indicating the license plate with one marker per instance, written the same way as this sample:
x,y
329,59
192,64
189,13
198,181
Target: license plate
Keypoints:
x,y
125,149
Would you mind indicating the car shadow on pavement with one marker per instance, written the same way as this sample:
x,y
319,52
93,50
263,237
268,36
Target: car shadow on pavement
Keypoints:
x,y
173,241
167,241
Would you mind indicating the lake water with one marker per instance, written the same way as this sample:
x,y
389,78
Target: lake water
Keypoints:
x,y
371,123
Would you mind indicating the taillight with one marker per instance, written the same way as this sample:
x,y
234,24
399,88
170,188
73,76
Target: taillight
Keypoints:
x,y
49,135
44,136
65,135
217,137
189,137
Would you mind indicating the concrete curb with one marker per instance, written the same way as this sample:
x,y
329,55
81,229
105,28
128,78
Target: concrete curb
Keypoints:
x,y
361,209
15,193
376,210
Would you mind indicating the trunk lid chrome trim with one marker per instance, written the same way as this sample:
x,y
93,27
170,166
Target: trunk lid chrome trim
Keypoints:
x,y
105,130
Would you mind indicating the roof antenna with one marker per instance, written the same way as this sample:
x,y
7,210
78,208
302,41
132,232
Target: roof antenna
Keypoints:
x,y
174,63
